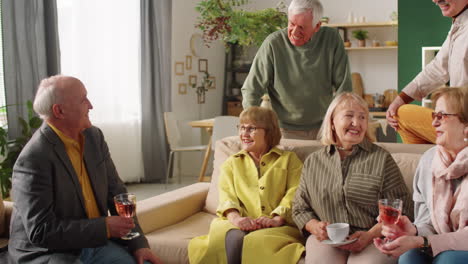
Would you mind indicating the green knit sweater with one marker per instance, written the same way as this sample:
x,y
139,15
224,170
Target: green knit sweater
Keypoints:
x,y
301,81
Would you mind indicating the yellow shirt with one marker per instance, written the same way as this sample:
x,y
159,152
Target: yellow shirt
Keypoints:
x,y
75,151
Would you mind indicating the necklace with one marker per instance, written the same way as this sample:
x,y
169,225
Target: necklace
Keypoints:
x,y
343,149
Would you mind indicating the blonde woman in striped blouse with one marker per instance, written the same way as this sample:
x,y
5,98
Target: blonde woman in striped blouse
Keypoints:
x,y
342,182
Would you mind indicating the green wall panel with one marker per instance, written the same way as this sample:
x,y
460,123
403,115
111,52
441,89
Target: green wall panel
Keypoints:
x,y
420,23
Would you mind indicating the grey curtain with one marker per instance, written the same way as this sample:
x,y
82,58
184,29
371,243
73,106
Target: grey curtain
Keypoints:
x,y
155,84
31,52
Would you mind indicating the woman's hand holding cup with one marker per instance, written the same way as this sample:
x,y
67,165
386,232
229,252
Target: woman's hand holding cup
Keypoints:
x,y
318,229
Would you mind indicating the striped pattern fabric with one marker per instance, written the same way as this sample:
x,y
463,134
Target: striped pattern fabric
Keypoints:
x,y
347,191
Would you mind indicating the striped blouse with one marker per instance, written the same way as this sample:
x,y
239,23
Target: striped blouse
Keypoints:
x,y
347,191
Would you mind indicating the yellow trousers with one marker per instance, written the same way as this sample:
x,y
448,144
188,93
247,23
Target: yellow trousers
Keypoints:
x,y
415,124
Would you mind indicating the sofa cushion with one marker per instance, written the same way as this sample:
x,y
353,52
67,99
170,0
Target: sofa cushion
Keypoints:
x,y
231,145
407,162
170,243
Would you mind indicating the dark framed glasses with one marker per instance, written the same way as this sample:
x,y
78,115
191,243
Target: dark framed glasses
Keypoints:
x,y
440,115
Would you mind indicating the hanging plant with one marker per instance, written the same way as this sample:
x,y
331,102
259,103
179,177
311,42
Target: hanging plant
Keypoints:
x,y
225,20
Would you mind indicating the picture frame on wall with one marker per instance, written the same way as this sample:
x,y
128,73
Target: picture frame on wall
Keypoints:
x,y
213,82
179,68
202,65
182,88
192,80
188,62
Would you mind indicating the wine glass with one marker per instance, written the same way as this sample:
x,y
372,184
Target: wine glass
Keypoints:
x,y
390,211
125,203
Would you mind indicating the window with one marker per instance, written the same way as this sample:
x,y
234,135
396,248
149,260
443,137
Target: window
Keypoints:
x,y
3,113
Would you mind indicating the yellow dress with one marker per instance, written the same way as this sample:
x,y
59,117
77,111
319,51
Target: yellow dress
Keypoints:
x,y
254,192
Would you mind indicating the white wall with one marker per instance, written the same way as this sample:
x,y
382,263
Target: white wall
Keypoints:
x,y
378,68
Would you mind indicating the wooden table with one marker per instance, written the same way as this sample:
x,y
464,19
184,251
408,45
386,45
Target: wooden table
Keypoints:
x,y
207,124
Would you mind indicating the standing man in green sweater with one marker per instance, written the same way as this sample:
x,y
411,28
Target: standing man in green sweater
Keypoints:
x,y
301,68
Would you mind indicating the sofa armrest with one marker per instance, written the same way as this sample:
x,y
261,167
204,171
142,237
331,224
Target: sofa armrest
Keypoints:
x,y
172,207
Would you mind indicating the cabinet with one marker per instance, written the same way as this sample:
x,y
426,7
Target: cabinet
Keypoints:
x,y
237,66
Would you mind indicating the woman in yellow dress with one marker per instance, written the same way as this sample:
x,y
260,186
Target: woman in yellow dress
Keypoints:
x,y
256,188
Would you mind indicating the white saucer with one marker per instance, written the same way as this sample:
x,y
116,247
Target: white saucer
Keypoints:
x,y
337,244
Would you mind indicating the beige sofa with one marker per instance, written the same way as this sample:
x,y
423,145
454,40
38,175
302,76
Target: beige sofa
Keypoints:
x,y
170,220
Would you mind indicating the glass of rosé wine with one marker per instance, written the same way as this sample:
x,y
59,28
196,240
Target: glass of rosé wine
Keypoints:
x,y
125,203
390,211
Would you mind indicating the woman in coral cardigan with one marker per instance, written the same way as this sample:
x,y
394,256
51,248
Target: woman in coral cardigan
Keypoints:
x,y
440,230
256,188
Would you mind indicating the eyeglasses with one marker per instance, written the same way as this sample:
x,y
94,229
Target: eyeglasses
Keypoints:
x,y
248,129
441,115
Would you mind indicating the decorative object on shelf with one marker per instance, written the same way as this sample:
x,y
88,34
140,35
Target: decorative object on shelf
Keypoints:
x,y
391,43
390,95
350,17
192,80
188,62
358,87
11,148
196,44
182,88
369,98
266,102
235,91
212,80
347,44
378,100
203,65
227,21
362,19
179,68
375,43
361,36
205,84
325,20
394,18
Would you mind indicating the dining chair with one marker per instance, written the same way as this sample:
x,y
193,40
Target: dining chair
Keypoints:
x,y
174,140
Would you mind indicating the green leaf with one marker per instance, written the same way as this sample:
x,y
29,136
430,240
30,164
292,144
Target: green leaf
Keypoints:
x,y
35,122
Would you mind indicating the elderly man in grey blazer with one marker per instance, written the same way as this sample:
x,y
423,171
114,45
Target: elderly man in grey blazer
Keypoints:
x,y
64,182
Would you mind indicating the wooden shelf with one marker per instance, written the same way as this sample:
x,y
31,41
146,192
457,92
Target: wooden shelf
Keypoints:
x,y
373,48
359,25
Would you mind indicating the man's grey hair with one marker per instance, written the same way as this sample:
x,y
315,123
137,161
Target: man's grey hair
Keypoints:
x,y
301,6
46,96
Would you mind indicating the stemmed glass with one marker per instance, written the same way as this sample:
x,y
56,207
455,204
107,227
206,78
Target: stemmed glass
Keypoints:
x,y
125,203
390,211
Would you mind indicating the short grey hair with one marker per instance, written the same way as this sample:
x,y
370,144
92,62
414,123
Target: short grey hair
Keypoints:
x,y
326,134
46,96
301,6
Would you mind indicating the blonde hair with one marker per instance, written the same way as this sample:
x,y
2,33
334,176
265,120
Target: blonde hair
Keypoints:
x,y
457,98
266,119
326,134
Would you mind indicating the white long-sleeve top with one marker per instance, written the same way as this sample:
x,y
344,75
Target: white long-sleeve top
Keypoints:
x,y
450,64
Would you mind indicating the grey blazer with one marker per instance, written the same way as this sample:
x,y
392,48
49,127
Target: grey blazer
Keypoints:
x,y
49,222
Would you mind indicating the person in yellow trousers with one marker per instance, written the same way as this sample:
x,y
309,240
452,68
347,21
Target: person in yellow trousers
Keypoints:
x,y
256,188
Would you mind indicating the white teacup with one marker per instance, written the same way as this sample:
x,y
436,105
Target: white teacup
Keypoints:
x,y
338,232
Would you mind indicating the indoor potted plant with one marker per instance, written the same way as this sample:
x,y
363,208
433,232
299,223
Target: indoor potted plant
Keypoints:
x,y
227,21
361,36
11,148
